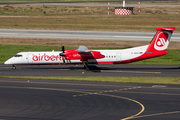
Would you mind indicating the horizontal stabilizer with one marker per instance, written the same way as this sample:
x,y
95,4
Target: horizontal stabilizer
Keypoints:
x,y
166,28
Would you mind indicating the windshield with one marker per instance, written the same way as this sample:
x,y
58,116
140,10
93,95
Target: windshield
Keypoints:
x,y
18,55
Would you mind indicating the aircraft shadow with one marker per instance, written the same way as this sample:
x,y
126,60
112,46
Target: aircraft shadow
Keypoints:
x,y
99,68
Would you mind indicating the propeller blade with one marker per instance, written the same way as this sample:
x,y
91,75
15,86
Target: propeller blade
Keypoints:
x,y
63,49
63,59
63,52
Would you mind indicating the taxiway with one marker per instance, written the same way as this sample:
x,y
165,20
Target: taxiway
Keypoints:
x,y
23,99
95,70
85,35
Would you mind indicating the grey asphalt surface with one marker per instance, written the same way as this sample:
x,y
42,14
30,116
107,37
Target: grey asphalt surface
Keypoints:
x,y
86,35
71,100
95,70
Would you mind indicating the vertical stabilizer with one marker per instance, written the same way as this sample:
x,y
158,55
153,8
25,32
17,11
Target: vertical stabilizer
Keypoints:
x,y
158,45
161,40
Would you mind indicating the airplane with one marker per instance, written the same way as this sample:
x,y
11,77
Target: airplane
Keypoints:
x,y
85,56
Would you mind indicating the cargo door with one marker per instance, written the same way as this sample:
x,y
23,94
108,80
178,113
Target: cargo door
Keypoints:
x,y
30,58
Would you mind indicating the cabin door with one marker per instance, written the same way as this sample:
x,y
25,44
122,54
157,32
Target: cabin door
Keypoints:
x,y
118,56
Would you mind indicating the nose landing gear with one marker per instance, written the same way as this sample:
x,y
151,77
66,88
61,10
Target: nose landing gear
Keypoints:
x,y
13,67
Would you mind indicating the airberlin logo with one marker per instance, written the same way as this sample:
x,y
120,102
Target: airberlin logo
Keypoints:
x,y
45,57
162,42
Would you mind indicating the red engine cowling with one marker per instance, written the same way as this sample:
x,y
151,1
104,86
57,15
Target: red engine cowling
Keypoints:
x,y
83,56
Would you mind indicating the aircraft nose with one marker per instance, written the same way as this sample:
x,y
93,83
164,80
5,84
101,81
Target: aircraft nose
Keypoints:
x,y
8,62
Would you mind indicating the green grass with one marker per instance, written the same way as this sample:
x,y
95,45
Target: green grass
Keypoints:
x,y
171,58
7,51
141,80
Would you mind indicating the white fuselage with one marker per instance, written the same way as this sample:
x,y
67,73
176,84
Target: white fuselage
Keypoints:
x,y
42,58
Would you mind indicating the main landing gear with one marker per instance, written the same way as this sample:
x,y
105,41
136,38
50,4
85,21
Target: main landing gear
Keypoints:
x,y
13,67
86,66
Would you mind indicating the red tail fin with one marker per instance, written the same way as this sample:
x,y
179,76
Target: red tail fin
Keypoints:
x,y
158,45
161,40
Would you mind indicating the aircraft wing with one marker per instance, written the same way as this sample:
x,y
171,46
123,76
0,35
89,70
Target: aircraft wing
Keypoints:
x,y
83,53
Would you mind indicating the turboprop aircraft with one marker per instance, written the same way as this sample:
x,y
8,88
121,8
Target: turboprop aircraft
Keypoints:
x,y
85,56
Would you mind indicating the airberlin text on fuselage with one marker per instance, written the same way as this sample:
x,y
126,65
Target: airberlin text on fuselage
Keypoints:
x,y
42,57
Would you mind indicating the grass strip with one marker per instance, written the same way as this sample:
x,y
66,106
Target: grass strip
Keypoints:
x,y
140,80
94,18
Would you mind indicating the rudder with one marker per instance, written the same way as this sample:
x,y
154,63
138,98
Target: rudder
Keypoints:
x,y
161,39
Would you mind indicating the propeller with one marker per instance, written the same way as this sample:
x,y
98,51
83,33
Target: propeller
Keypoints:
x,y
63,49
63,54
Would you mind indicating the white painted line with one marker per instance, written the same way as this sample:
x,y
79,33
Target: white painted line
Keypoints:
x,y
133,36
8,33
130,71
159,86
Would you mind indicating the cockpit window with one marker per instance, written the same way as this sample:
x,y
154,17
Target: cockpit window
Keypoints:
x,y
18,55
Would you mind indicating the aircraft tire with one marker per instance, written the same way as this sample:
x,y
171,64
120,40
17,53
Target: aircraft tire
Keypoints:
x,y
14,67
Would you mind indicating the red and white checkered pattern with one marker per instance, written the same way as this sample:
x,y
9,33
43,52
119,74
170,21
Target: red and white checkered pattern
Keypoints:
x,y
123,11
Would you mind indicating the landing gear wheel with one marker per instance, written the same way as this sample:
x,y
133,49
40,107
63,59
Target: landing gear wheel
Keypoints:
x,y
14,67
